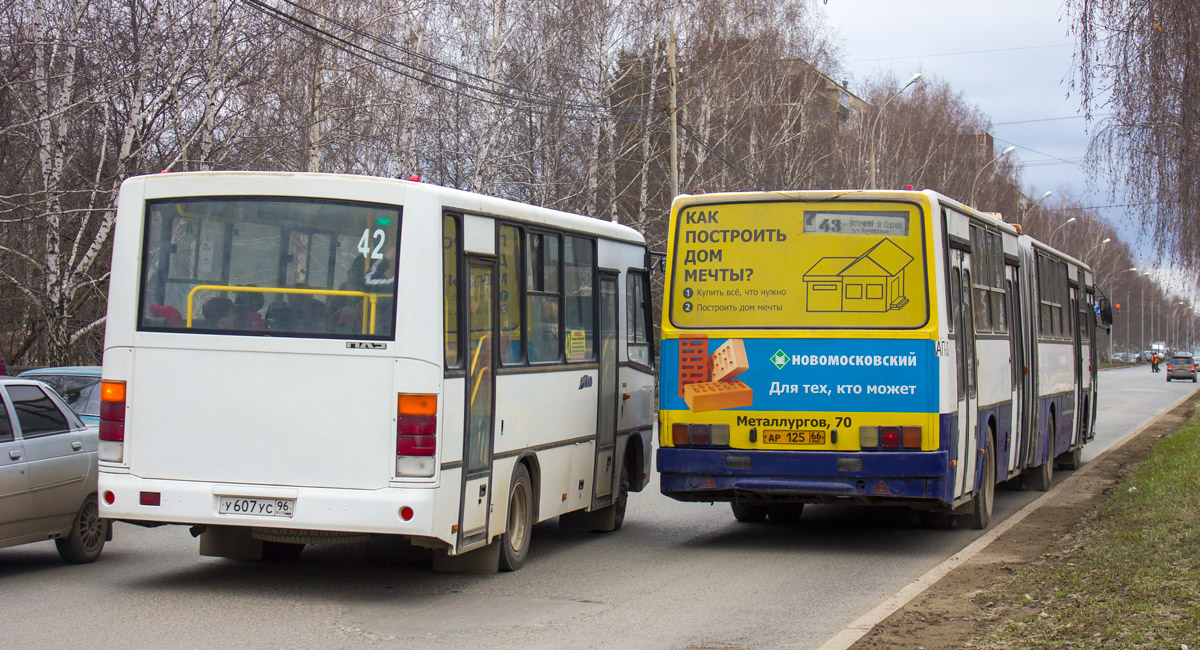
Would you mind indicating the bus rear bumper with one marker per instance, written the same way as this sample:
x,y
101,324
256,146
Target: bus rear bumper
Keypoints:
x,y
902,478
319,509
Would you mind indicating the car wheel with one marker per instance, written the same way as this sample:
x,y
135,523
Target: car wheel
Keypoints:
x,y
514,544
1040,477
86,539
748,513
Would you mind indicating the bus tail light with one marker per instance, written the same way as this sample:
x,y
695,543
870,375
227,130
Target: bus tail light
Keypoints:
x,y
112,420
699,435
911,437
876,438
889,437
416,434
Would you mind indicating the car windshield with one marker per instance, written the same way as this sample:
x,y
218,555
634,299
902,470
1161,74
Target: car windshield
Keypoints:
x,y
81,393
1181,360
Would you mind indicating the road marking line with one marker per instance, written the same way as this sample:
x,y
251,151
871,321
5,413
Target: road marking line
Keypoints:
x,y
859,628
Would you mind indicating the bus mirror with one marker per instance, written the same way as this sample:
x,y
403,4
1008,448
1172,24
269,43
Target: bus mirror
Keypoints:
x,y
1105,312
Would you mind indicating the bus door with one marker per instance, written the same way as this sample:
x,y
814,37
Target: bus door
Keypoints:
x,y
1076,422
968,394
480,406
1019,369
606,417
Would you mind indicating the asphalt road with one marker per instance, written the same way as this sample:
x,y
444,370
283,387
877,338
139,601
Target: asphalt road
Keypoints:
x,y
677,575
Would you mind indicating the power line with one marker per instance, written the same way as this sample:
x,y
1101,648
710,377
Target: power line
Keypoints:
x,y
926,56
1046,119
424,76
1040,153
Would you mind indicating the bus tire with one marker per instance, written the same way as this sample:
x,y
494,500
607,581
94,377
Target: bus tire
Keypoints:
x,y
622,501
281,551
748,513
1072,459
981,506
1040,477
785,513
86,538
514,543
936,519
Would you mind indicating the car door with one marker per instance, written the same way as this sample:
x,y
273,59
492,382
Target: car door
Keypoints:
x,y
14,481
58,460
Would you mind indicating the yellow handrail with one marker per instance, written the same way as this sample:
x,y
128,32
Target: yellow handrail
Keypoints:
x,y
372,298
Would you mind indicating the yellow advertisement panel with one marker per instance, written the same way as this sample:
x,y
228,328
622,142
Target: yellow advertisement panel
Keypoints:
x,y
794,264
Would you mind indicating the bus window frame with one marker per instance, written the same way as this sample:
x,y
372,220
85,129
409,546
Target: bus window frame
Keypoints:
x,y
285,232
647,308
460,267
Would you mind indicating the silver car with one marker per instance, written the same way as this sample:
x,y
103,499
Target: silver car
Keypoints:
x,y
47,473
1181,366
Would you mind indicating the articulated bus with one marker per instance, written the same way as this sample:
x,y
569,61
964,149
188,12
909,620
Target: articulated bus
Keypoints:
x,y
306,358
868,347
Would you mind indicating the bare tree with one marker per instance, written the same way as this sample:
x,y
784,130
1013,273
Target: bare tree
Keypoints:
x,y
1139,63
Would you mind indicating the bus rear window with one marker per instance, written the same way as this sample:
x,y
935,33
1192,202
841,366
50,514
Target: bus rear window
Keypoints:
x,y
271,267
799,265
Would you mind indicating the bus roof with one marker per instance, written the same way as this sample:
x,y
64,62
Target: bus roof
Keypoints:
x,y
260,183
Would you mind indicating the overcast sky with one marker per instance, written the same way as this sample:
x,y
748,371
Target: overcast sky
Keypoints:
x,y
1011,58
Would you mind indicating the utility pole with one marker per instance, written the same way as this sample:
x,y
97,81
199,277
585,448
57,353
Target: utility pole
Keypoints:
x,y
671,110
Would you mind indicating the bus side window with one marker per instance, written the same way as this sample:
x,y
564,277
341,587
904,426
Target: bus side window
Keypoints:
x,y
509,281
543,298
579,281
637,321
954,290
451,247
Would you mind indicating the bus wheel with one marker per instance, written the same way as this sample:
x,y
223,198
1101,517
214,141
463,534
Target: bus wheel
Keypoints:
x,y
785,513
936,519
1040,477
514,544
281,551
1072,459
622,499
981,511
748,513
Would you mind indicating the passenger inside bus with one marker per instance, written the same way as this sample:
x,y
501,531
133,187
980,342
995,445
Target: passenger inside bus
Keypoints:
x,y
218,313
246,308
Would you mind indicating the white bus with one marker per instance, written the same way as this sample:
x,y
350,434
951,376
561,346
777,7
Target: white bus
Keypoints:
x,y
306,358
868,347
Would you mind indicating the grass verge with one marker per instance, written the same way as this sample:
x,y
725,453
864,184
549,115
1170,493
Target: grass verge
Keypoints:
x,y
1127,578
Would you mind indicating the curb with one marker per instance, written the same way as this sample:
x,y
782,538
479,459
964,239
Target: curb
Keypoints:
x,y
861,626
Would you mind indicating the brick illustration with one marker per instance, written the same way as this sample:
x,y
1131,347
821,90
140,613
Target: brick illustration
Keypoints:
x,y
729,360
717,395
694,364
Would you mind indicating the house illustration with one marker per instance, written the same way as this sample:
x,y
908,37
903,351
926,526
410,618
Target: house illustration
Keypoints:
x,y
871,282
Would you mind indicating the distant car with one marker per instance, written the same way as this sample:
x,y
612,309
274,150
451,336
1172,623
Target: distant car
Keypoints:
x,y
79,386
1181,366
47,473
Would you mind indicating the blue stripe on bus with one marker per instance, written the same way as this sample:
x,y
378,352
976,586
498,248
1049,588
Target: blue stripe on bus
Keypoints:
x,y
693,473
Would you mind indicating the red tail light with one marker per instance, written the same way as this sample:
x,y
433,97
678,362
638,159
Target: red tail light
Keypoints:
x,y
889,437
112,411
416,425
416,435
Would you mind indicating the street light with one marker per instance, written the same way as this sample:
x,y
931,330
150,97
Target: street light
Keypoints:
x,y
1093,248
989,164
875,123
1050,239
1035,204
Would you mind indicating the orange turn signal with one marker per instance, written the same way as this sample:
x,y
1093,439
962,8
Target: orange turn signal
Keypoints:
x,y
112,391
417,404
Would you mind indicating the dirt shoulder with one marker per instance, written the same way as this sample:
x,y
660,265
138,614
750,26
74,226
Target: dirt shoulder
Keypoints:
x,y
947,614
